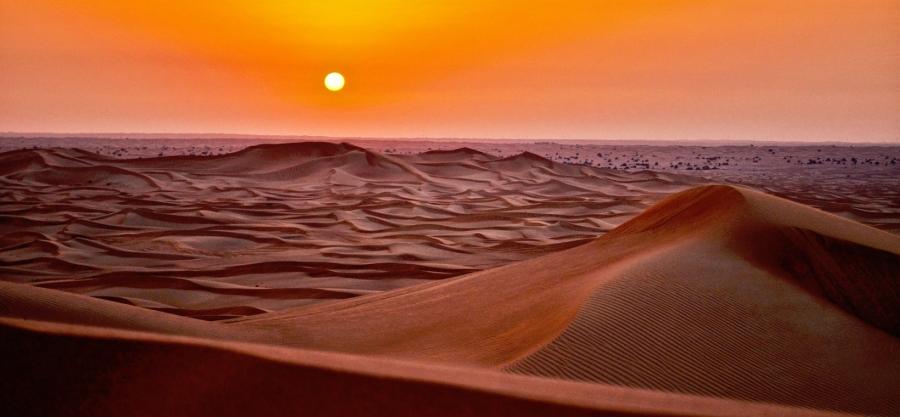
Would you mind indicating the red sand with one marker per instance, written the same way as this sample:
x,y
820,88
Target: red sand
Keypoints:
x,y
277,226
715,301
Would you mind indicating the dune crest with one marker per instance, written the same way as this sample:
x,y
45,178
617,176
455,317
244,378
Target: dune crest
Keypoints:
x,y
669,301
291,224
717,300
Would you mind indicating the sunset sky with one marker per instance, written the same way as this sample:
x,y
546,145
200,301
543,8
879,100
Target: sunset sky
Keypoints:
x,y
677,69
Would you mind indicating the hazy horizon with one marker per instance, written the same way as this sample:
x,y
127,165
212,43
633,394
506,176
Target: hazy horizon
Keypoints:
x,y
306,137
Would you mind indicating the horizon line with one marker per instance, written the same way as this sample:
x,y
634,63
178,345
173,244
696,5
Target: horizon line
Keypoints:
x,y
222,135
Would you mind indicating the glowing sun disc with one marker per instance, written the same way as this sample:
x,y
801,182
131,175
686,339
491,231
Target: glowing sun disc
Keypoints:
x,y
334,81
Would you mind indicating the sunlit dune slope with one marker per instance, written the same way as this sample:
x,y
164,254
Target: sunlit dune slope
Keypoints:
x,y
122,373
713,292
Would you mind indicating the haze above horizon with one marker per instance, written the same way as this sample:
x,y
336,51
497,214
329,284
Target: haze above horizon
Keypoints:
x,y
744,70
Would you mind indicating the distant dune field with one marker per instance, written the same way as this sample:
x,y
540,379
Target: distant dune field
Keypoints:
x,y
275,226
326,279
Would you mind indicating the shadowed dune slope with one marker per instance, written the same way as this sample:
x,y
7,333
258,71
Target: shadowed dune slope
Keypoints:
x,y
715,292
123,373
696,295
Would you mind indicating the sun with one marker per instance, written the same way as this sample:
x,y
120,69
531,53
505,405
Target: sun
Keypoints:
x,y
334,81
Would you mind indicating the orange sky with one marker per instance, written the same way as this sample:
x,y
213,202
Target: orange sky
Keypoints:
x,y
638,69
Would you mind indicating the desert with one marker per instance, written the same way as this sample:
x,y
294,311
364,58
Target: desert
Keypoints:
x,y
444,282
339,208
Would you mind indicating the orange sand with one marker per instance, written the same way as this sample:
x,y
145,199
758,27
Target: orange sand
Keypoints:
x,y
717,300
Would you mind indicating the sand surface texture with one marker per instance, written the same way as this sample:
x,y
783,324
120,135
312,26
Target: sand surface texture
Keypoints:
x,y
275,226
715,301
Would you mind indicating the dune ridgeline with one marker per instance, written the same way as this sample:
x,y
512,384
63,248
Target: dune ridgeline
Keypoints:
x,y
324,279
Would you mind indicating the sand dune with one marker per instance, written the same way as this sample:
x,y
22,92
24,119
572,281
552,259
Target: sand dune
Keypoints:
x,y
717,300
292,224
689,308
132,373
675,300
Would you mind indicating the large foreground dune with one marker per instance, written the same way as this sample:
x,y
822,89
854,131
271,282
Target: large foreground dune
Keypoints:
x,y
715,301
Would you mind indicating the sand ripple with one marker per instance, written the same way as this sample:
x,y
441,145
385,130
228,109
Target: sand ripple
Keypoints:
x,y
275,226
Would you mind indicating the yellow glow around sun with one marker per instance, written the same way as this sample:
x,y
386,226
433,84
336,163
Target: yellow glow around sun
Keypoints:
x,y
334,81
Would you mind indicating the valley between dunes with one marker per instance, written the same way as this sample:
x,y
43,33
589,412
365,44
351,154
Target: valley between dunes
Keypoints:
x,y
324,279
